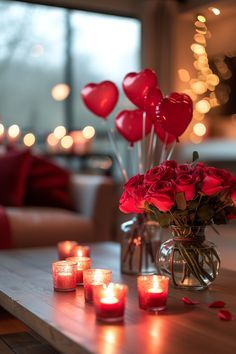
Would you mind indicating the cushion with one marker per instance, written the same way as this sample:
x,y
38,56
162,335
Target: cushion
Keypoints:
x,y
48,185
14,169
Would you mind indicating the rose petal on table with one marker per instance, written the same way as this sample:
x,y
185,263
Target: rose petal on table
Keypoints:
x,y
187,301
225,315
217,304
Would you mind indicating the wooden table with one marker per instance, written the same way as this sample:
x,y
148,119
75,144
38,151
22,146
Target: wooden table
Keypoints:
x,y
65,321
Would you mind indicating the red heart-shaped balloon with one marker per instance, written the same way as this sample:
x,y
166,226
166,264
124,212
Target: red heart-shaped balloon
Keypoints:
x,y
163,135
151,101
136,85
175,113
100,98
130,124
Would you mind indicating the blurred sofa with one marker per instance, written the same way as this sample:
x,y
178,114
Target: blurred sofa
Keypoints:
x,y
92,219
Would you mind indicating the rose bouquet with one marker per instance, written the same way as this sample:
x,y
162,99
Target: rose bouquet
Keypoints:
x,y
187,198
183,195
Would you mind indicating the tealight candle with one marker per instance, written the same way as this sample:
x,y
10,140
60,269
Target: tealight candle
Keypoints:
x,y
65,248
152,292
94,278
64,275
109,302
81,251
83,263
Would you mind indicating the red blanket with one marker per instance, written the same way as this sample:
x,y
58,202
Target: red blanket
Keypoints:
x,y
5,231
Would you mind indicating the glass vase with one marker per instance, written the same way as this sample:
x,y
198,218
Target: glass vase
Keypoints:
x,y
140,243
188,259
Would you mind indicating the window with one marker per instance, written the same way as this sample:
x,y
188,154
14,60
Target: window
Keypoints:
x,y
43,46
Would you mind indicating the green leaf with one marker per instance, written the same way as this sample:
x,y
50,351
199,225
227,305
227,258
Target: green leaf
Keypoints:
x,y
195,156
180,201
205,213
164,219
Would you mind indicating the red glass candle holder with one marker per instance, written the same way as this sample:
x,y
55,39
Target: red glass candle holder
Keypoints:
x,y
80,251
65,248
109,301
83,263
64,275
152,292
95,278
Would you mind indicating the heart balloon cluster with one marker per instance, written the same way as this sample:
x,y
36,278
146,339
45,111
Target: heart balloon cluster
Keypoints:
x,y
170,116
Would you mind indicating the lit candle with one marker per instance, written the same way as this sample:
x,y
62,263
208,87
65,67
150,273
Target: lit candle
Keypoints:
x,y
83,263
109,302
64,275
95,278
65,249
152,292
81,251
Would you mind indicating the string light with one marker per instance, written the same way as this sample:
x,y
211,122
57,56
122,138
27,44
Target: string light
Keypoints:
x,y
184,75
205,83
201,18
214,10
199,129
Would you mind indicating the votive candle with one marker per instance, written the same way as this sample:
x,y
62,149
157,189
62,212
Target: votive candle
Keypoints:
x,y
65,248
83,263
80,251
94,278
109,301
152,292
64,275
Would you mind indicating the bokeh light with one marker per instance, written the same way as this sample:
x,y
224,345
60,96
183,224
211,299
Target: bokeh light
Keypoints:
x,y
2,129
198,49
29,139
59,131
60,92
67,142
14,131
199,129
88,132
52,140
203,106
201,18
214,10
199,87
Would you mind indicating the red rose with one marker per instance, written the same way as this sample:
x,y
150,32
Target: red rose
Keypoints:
x,y
215,181
133,183
159,173
183,168
162,195
233,188
169,163
233,196
231,217
199,171
186,183
132,199
128,204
